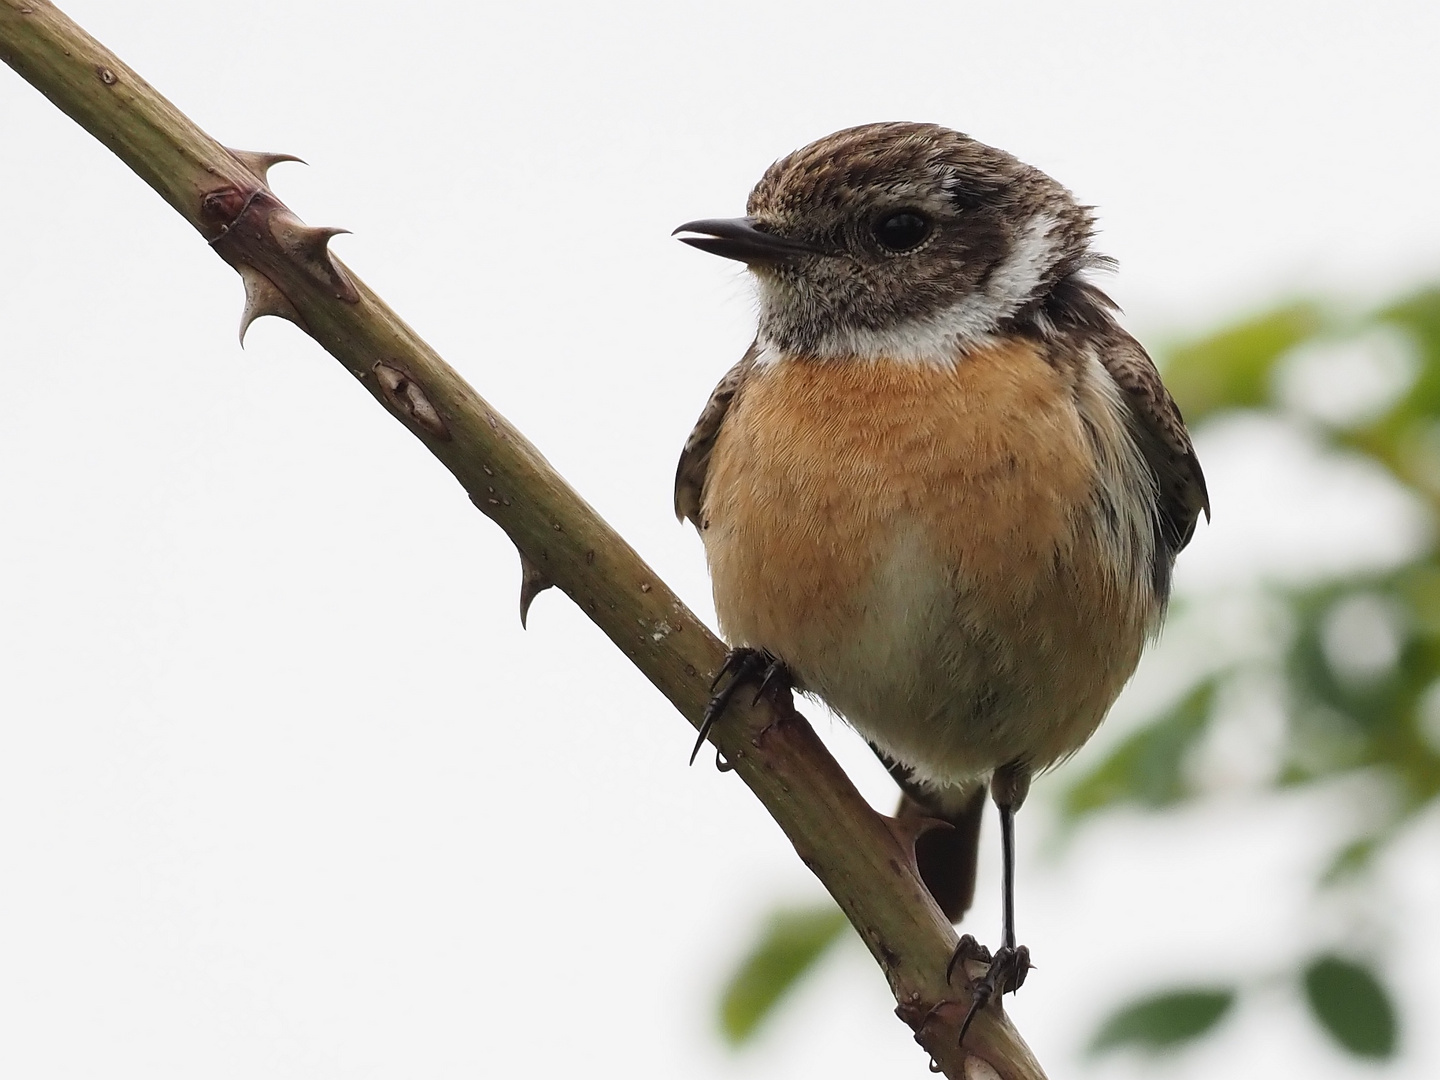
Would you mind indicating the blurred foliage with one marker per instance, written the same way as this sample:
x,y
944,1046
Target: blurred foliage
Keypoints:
x,y
1146,767
1163,1021
1355,656
1349,1002
1359,659
1231,369
789,946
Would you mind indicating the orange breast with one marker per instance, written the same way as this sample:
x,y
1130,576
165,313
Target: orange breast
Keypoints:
x,y
921,545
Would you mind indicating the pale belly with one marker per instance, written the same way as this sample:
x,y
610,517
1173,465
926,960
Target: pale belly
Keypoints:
x,y
926,549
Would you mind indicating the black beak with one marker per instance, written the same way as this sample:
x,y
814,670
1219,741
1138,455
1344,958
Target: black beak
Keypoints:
x,y
741,238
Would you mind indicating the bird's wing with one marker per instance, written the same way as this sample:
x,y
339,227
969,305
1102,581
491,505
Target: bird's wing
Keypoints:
x,y
695,458
1160,433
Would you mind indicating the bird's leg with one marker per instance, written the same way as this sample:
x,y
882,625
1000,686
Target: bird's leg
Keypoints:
x,y
1011,963
742,665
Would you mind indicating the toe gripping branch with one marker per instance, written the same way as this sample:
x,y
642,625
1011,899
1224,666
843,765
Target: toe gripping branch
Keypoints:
x,y
1004,973
743,665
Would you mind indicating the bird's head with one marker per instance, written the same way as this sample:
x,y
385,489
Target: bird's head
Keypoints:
x,y
907,241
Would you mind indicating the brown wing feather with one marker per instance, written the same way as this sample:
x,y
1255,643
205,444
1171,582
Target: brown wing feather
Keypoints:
x,y
695,458
1162,437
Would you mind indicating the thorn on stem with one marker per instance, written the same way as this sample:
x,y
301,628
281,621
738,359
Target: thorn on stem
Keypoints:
x,y
909,828
533,581
262,297
259,161
309,245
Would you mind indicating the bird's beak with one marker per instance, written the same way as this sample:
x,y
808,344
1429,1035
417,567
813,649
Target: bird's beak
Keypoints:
x,y
743,239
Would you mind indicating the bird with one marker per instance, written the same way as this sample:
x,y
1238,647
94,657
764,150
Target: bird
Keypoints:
x,y
943,490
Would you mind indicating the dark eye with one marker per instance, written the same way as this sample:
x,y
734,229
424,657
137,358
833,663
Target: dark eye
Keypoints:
x,y
901,230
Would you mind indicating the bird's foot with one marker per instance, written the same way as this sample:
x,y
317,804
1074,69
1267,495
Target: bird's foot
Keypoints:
x,y
966,951
743,665
1004,973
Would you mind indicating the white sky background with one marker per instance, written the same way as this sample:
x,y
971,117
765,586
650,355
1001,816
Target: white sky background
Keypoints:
x,y
285,791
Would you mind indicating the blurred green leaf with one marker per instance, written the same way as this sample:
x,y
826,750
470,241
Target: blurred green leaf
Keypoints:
x,y
1232,369
1349,1002
1164,1021
789,946
1406,439
1352,859
1419,316
1341,722
1147,768
1419,312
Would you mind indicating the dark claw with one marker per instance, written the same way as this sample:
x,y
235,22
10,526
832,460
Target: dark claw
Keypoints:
x,y
776,674
734,659
1006,975
743,665
706,723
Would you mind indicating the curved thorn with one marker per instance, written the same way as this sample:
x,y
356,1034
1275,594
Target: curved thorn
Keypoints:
x,y
260,161
262,297
533,581
314,240
309,245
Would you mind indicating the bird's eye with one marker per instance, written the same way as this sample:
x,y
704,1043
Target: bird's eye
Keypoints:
x,y
901,230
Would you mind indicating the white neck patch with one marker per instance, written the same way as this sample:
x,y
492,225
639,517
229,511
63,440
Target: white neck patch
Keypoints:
x,y
941,338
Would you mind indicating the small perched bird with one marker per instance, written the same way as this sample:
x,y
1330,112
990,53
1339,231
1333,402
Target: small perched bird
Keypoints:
x,y
943,491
